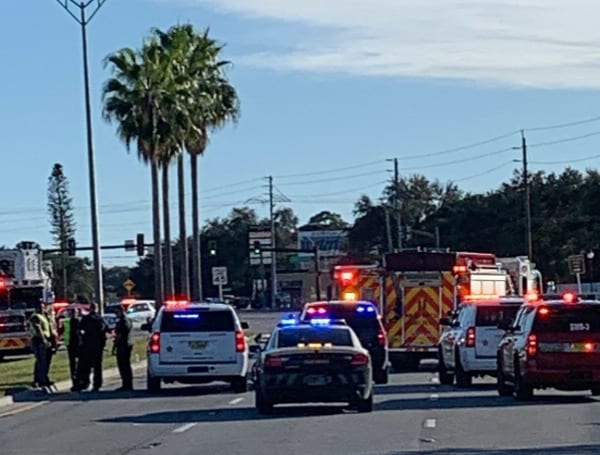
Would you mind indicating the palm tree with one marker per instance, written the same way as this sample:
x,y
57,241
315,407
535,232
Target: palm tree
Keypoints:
x,y
215,102
137,97
207,102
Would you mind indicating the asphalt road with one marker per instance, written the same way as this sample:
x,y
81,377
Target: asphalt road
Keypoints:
x,y
412,414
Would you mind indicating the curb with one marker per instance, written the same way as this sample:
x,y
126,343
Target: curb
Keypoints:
x,y
64,386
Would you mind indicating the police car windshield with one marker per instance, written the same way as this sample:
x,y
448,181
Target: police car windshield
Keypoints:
x,y
197,320
288,338
566,319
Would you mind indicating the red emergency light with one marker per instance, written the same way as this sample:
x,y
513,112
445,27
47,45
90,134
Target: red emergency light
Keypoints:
x,y
347,277
570,297
3,284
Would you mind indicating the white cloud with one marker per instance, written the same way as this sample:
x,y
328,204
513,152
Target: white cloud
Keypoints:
x,y
530,43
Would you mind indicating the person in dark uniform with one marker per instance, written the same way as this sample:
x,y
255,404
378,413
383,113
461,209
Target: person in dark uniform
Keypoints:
x,y
71,340
122,349
92,333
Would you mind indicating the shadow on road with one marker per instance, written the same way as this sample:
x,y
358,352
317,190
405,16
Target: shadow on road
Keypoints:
x,y
428,388
465,402
583,449
228,415
195,391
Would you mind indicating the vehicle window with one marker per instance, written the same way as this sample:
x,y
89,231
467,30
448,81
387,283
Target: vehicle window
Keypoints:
x,y
358,321
138,307
568,319
463,317
292,337
196,320
491,316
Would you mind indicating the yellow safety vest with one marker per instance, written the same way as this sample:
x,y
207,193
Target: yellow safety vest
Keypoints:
x,y
39,326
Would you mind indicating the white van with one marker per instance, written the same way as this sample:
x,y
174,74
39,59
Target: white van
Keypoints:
x,y
197,343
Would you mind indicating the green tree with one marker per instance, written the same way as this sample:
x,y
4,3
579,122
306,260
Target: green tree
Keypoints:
x,y
139,98
62,220
326,220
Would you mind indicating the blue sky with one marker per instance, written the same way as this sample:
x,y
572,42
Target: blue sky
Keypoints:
x,y
324,86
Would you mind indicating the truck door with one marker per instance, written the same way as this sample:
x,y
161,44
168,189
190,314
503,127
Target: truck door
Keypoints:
x,y
422,296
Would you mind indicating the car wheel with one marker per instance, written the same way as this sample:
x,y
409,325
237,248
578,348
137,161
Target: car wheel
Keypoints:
x,y
463,379
523,392
596,390
366,404
504,390
153,384
240,384
381,376
262,403
446,378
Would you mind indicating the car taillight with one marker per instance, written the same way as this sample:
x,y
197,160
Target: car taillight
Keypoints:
x,y
381,337
240,341
273,361
360,359
155,343
532,345
470,337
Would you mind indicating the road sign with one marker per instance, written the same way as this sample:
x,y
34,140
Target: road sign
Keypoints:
x,y
129,285
219,276
577,264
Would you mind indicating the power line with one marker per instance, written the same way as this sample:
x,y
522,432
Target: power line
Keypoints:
x,y
578,160
487,171
564,125
336,193
462,160
334,179
330,171
567,139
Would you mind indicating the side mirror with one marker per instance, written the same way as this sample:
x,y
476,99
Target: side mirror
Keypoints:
x,y
445,321
245,325
146,327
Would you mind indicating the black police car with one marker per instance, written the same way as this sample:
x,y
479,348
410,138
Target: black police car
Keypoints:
x,y
363,318
320,361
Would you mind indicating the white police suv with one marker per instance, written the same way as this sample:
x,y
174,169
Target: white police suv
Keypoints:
x,y
197,343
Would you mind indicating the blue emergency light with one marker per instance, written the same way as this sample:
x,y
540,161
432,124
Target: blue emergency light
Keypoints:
x,y
288,321
365,309
186,316
320,322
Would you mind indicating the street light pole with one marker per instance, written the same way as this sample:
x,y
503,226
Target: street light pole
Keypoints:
x,y
83,20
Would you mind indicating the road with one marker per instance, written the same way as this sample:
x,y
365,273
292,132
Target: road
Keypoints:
x,y
412,414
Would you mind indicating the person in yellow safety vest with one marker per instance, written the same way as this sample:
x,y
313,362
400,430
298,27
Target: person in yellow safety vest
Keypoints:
x,y
40,332
71,340
53,346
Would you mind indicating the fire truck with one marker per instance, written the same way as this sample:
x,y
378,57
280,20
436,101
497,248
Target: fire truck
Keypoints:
x,y
25,280
414,289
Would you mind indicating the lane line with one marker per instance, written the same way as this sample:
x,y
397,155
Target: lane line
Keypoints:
x,y
434,396
236,400
185,427
21,409
435,380
429,423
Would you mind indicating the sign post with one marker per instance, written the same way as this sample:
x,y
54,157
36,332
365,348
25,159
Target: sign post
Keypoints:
x,y
219,278
577,267
128,284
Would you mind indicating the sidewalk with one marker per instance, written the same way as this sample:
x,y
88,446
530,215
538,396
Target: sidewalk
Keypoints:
x,y
62,386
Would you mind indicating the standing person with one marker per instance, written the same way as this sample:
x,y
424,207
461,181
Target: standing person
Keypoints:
x,y
92,330
71,341
39,329
53,340
122,349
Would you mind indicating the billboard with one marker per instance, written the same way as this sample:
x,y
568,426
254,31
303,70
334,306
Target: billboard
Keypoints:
x,y
329,243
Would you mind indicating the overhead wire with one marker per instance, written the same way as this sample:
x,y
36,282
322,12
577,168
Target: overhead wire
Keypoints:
x,y
577,160
564,125
331,171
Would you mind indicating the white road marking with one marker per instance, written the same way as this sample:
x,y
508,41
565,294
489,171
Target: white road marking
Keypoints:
x,y
429,423
435,380
236,400
434,396
24,408
185,427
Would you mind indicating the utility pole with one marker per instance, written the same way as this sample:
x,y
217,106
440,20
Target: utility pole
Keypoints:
x,y
527,198
273,245
397,203
388,229
83,20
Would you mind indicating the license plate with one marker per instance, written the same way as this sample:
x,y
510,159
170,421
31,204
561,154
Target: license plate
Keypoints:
x,y
197,344
317,380
580,347
317,362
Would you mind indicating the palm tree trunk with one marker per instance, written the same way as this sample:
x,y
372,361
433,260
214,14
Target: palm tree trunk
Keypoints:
x,y
169,291
196,256
183,244
158,269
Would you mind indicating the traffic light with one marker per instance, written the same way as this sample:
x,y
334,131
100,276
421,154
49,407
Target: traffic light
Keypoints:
x,y
257,247
71,247
140,245
212,248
